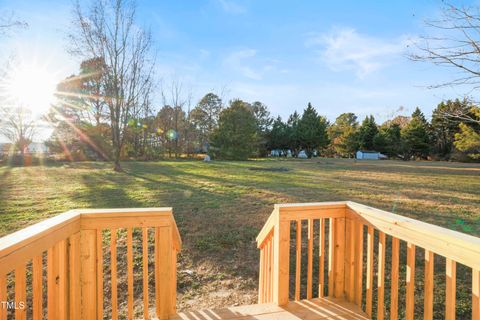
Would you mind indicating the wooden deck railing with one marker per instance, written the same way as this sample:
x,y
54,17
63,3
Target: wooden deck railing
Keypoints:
x,y
347,231
59,265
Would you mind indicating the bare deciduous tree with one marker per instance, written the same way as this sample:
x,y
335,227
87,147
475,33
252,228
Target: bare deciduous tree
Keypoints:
x,y
18,126
454,43
176,96
108,30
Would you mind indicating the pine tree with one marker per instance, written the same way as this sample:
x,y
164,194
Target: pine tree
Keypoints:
x,y
312,130
415,137
367,133
343,134
235,138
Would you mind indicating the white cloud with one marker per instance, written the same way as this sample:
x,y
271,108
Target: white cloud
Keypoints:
x,y
237,61
346,50
231,6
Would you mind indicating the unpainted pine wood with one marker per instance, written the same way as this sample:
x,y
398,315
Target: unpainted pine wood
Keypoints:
x,y
261,276
268,277
20,293
428,286
37,287
359,264
410,298
52,284
173,283
331,256
310,259
74,277
381,276
462,248
321,258
340,258
298,260
163,265
88,258
62,281
113,270
3,295
129,274
394,279
100,274
475,294
369,291
450,294
145,272
281,262
350,259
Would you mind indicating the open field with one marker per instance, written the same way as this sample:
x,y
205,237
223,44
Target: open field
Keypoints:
x,y
220,206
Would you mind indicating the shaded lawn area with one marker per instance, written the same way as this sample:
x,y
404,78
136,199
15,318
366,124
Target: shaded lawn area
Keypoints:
x,y
220,206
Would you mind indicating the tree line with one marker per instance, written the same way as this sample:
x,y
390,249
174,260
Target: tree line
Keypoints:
x,y
239,129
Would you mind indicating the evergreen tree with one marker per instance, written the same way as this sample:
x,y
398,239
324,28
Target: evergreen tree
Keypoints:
x,y
293,133
468,139
388,139
278,136
415,137
343,135
444,128
312,130
264,124
367,133
235,138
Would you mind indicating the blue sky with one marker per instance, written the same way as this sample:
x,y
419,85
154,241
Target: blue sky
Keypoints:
x,y
340,55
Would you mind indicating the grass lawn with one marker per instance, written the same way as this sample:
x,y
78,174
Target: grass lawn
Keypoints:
x,y
220,206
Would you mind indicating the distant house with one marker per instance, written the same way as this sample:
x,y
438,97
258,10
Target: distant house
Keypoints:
x,y
37,148
369,155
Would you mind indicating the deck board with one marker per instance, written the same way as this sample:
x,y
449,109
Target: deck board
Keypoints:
x,y
318,308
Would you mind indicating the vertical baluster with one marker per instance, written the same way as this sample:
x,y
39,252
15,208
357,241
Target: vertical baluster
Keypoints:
x,y
359,264
410,299
298,261
129,274
267,271
331,257
20,293
52,289
340,258
145,271
62,302
369,293
475,294
74,277
394,275
100,273
450,295
3,295
37,287
428,286
113,270
310,259
381,276
350,272
321,258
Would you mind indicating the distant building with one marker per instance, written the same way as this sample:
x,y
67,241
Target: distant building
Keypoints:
x,y
369,155
37,148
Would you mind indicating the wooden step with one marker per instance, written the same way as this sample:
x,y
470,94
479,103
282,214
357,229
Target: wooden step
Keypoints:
x,y
318,308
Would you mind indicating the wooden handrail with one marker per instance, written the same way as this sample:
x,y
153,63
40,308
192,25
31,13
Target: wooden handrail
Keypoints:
x,y
350,226
451,244
74,243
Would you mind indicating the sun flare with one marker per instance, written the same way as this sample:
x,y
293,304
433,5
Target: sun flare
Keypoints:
x,y
31,86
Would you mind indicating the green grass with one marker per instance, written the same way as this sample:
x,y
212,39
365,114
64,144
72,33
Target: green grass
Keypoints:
x,y
220,206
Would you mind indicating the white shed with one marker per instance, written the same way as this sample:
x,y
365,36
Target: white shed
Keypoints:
x,y
369,155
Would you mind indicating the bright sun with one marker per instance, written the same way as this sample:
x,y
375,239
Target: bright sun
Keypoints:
x,y
30,86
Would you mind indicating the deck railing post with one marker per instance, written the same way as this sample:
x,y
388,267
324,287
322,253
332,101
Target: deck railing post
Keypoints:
x,y
281,260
